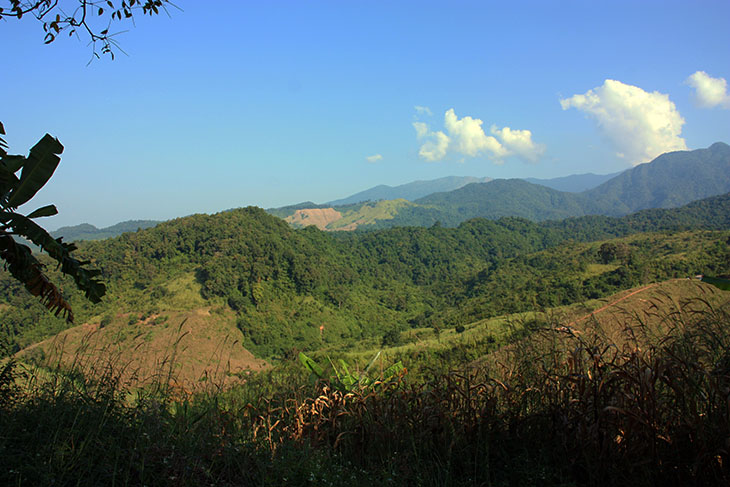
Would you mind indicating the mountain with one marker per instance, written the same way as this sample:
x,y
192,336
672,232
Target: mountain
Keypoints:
x,y
410,191
86,231
500,198
672,179
574,183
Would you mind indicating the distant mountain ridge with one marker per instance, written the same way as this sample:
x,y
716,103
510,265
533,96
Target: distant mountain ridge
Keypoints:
x,y
671,180
574,183
86,231
409,191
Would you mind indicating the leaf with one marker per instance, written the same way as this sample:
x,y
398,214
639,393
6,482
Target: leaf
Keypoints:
x,y
24,267
311,365
3,144
59,251
38,169
48,210
393,370
372,362
13,163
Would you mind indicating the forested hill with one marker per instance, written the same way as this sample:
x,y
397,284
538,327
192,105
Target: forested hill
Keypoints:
x,y
284,284
500,198
671,180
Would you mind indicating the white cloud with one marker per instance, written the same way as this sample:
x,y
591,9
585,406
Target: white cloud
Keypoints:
x,y
709,92
469,138
423,110
436,144
639,124
466,137
519,142
374,158
421,129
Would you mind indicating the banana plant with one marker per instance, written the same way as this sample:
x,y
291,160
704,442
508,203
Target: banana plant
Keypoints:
x,y
347,381
35,171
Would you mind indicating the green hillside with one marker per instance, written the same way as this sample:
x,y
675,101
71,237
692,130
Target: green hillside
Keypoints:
x,y
511,352
670,180
307,289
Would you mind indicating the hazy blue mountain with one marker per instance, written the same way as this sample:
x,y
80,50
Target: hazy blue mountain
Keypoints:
x,y
574,183
672,179
86,231
410,191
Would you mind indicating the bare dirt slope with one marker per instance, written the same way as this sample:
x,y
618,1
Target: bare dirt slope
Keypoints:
x,y
187,349
319,217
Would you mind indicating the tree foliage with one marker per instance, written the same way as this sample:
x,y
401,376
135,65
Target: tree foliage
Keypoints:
x,y
92,19
35,170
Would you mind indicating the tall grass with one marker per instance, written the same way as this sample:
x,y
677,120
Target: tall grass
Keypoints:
x,y
644,404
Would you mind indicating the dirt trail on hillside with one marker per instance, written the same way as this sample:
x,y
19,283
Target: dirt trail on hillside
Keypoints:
x,y
613,303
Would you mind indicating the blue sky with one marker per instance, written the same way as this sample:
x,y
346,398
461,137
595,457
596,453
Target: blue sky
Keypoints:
x,y
227,104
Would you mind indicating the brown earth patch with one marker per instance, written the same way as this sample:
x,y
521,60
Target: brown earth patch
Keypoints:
x,y
189,350
652,309
319,217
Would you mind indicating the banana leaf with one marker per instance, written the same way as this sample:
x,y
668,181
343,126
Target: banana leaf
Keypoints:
x,y
59,251
37,170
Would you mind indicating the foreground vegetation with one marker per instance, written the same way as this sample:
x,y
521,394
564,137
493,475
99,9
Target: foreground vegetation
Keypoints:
x,y
643,402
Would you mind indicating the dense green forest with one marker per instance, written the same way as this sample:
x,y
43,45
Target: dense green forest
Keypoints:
x,y
367,287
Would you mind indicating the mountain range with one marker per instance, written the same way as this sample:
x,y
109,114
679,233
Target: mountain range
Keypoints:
x,y
672,179
410,191
86,231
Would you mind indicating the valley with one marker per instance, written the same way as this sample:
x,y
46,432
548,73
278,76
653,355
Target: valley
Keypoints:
x,y
253,323
324,244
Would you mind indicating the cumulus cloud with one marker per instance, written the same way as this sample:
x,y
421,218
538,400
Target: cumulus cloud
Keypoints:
x,y
468,137
435,144
709,92
374,158
519,142
639,124
423,110
465,136
421,129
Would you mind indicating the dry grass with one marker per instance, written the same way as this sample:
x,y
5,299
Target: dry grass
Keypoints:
x,y
638,395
